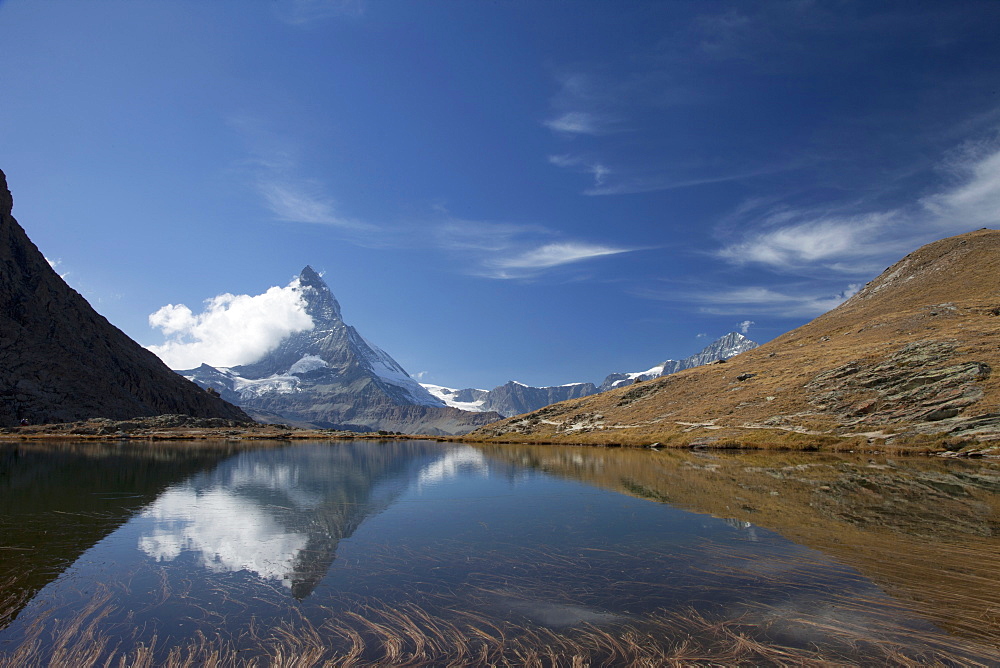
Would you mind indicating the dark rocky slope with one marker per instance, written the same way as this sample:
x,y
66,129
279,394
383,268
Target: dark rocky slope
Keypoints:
x,y
61,361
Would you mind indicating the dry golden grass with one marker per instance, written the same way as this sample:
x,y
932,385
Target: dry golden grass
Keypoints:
x,y
945,293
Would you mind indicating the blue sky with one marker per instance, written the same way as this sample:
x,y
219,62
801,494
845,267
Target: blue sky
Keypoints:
x,y
540,191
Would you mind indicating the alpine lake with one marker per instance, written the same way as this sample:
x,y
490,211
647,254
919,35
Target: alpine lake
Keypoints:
x,y
412,552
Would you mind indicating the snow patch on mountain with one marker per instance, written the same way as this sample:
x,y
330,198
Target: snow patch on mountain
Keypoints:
x,y
630,377
382,365
456,398
308,363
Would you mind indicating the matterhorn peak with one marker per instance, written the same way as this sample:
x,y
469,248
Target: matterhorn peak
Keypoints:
x,y
321,305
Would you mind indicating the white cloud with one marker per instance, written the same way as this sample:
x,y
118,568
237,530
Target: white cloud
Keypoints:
x,y
634,184
596,169
745,326
585,105
564,160
600,173
477,236
578,123
303,12
811,241
505,251
55,266
762,300
804,239
551,255
303,203
974,203
232,329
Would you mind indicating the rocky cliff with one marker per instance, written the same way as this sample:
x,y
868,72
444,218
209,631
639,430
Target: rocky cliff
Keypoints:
x,y
907,362
61,361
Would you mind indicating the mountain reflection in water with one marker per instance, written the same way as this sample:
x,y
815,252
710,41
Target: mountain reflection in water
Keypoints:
x,y
281,514
441,552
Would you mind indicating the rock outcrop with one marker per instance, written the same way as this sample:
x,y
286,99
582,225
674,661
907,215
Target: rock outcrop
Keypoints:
x,y
61,361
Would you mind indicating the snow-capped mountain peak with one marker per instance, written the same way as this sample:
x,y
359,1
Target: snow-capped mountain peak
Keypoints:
x,y
331,375
321,305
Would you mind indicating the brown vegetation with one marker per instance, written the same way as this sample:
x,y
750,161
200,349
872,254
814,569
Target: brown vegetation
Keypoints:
x,y
179,428
906,364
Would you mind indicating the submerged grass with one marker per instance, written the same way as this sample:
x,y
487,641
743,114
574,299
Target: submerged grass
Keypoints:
x,y
410,635
469,627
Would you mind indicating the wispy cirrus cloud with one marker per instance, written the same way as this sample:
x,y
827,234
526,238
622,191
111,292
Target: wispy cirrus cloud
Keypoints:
x,y
766,301
811,241
304,12
555,254
481,248
635,183
583,106
598,170
479,237
273,170
511,251
600,108
975,198
580,123
789,239
305,202
788,302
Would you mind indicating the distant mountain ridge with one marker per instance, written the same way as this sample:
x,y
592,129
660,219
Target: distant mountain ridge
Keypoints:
x,y
330,376
730,345
514,398
61,361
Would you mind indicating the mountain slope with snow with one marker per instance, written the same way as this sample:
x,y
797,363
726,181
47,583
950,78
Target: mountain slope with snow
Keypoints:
x,y
514,398
730,345
330,376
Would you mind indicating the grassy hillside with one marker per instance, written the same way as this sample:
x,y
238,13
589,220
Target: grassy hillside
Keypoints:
x,y
907,363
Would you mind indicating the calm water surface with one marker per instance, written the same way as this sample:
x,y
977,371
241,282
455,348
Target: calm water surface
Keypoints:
x,y
420,552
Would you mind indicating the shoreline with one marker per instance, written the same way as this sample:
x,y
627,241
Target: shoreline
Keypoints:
x,y
184,428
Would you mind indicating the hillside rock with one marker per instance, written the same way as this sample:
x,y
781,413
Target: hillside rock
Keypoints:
x,y
61,361
906,362
331,377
